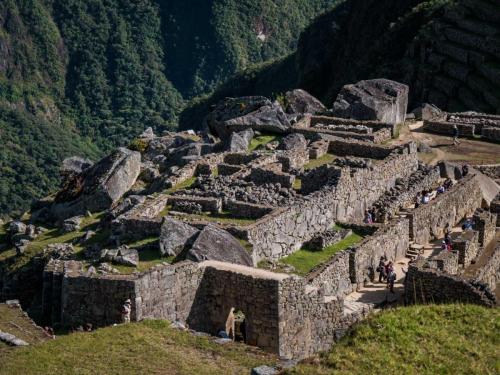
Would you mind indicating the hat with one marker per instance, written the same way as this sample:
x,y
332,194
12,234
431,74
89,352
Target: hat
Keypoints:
x,y
128,301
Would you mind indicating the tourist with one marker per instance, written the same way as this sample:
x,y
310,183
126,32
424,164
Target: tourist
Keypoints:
x,y
444,246
391,279
448,183
455,135
388,268
368,217
468,225
441,189
465,170
374,214
381,269
426,197
447,240
126,308
230,324
418,199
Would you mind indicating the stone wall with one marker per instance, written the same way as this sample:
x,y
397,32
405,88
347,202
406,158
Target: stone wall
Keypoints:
x,y
489,273
491,133
360,149
142,221
490,170
212,205
263,176
444,127
247,210
467,246
375,125
285,230
333,277
96,300
485,223
427,285
224,287
166,292
429,220
391,241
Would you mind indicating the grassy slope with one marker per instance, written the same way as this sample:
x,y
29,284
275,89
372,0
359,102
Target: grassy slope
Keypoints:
x,y
305,260
149,347
444,339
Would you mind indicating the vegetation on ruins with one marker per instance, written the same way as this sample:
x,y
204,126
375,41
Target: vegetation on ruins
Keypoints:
x,y
148,347
304,260
430,339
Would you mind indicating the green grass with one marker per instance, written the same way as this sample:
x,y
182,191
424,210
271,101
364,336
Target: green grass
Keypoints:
x,y
315,163
305,260
149,347
224,217
55,235
297,184
261,140
186,184
439,339
13,321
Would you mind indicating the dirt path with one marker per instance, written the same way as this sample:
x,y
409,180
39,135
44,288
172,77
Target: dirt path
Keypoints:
x,y
442,148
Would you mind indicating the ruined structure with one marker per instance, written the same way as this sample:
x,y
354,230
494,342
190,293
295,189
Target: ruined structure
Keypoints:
x,y
187,241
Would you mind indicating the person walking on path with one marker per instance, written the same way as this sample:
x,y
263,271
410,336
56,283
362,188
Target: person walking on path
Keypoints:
x,y
381,269
455,135
391,279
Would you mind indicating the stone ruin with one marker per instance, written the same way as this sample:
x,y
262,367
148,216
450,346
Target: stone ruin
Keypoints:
x,y
469,124
218,205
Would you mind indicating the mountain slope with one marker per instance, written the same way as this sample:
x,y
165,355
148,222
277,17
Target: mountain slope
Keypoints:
x,y
100,71
446,50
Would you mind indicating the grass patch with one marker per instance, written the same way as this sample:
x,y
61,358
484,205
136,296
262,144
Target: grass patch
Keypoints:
x,y
55,235
224,217
305,260
315,163
297,184
260,141
149,347
430,339
13,321
186,184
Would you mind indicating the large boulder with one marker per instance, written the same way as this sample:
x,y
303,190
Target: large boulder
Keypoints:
x,y
240,141
427,112
300,101
123,255
375,99
255,112
294,141
214,243
175,236
99,187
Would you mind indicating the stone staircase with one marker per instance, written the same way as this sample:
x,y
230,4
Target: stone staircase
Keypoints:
x,y
414,250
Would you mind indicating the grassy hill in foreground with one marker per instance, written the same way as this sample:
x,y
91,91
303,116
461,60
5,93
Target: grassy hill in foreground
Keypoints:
x,y
446,339
149,347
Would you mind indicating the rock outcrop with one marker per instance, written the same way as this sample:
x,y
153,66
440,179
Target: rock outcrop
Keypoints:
x,y
294,141
255,112
300,102
175,236
377,99
214,243
99,187
240,141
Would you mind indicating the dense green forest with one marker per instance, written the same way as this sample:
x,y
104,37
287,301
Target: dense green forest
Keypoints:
x,y
83,76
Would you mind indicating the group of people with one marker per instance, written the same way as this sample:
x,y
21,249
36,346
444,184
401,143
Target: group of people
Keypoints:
x,y
425,196
386,273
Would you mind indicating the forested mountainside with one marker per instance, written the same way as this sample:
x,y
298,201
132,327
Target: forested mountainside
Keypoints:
x,y
83,76
448,51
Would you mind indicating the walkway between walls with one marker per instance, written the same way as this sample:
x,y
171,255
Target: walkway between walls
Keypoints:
x,y
376,295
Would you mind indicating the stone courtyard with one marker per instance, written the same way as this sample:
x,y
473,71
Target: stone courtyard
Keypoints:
x,y
189,227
